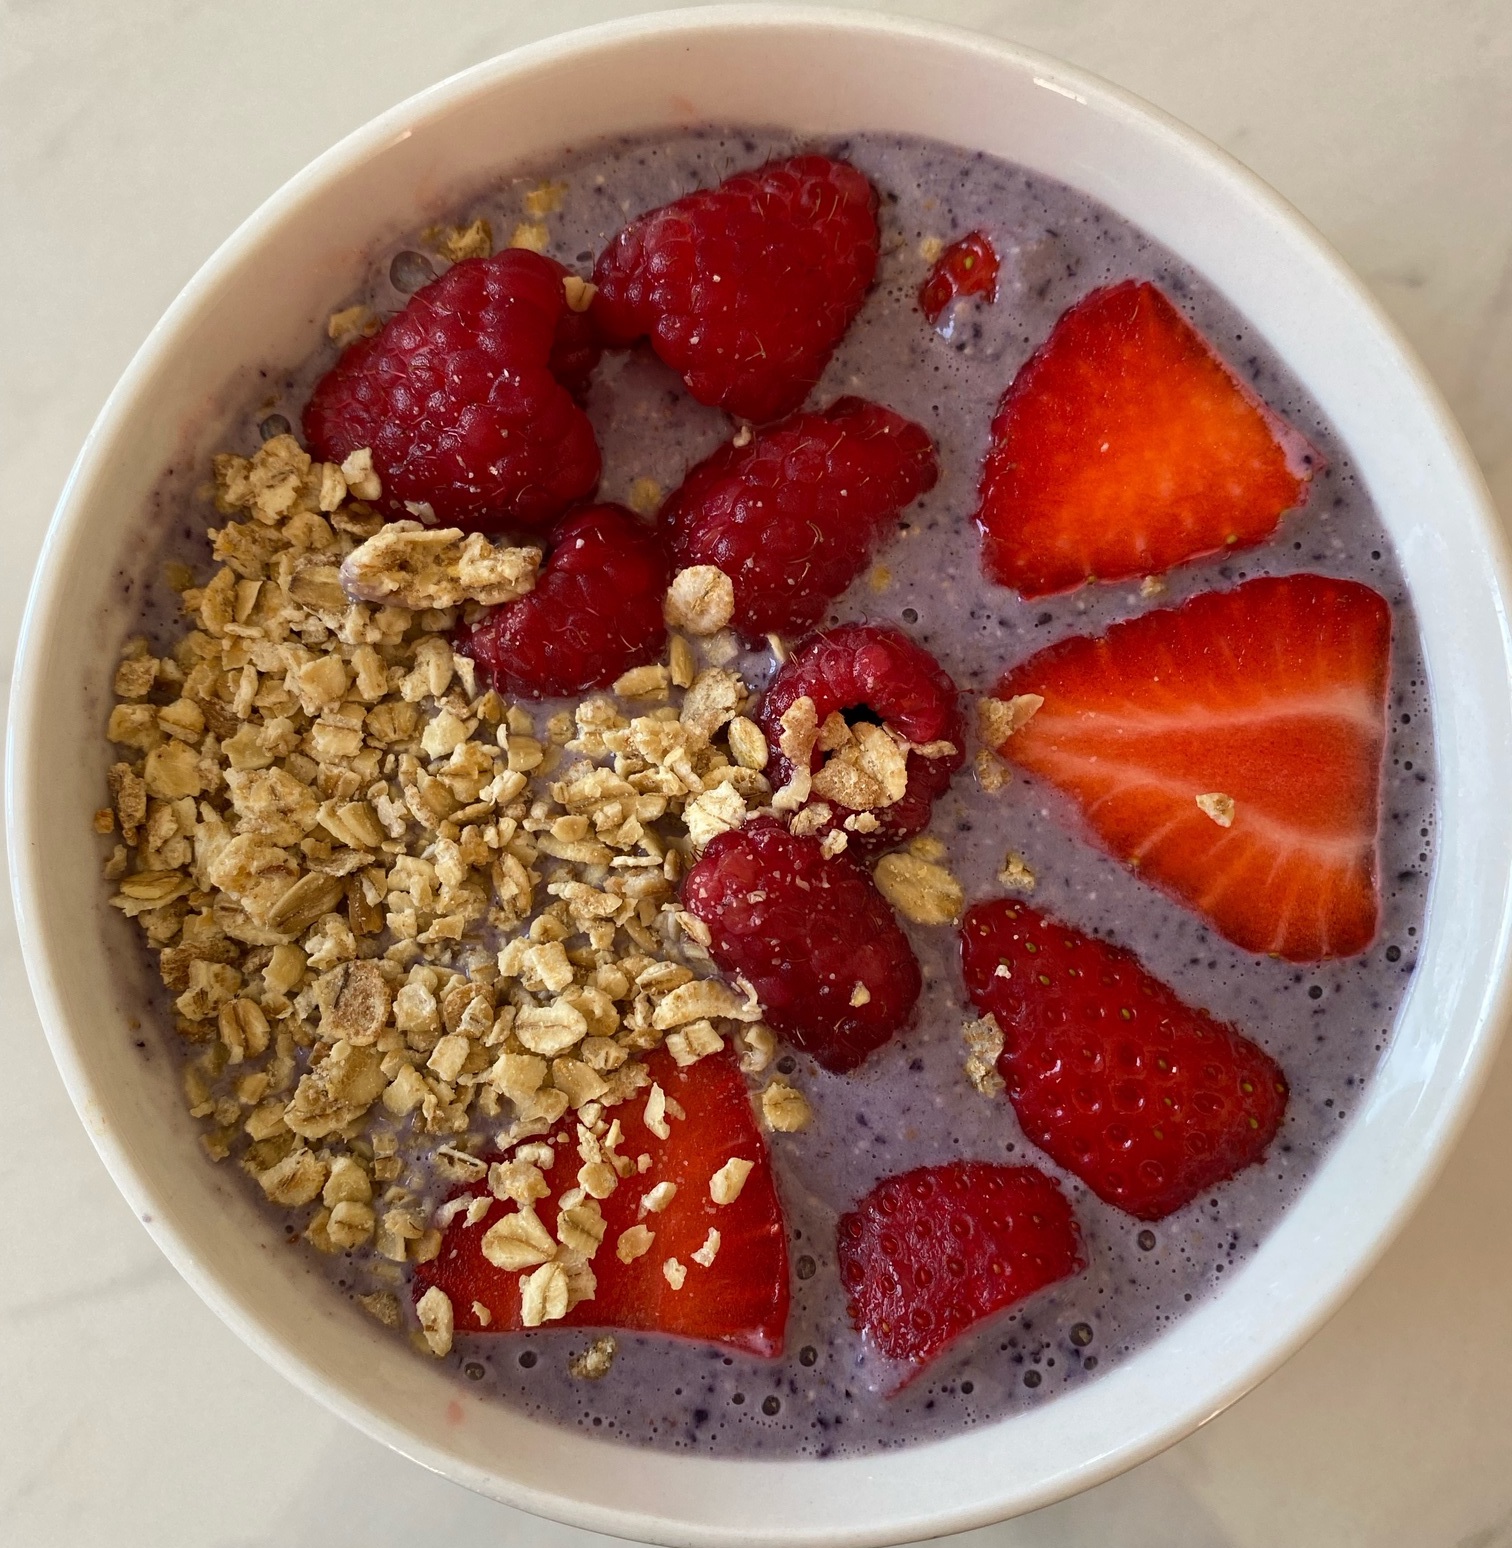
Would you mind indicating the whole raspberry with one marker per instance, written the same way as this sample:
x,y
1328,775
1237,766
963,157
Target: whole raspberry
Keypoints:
x,y
812,935
596,611
746,289
795,515
457,402
872,672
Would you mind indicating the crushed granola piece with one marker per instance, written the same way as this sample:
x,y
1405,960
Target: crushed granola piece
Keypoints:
x,y
984,1042
594,1362
726,1184
760,1047
545,198
579,292
869,771
716,811
531,234
920,890
998,719
700,600
1016,874
656,1113
1219,807
382,1306
785,1108
654,1201
634,1242
518,1240
456,243
705,1255
674,1273
360,475
747,744
543,1295
405,564
645,496
434,1309
580,1227
643,682
702,999
350,324
989,771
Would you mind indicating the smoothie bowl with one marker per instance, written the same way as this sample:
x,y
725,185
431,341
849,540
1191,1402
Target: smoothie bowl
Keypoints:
x,y
795,726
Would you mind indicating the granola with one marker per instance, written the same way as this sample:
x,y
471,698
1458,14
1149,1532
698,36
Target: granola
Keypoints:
x,y
401,923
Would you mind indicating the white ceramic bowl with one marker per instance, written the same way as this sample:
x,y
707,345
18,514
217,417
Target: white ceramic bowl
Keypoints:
x,y
258,300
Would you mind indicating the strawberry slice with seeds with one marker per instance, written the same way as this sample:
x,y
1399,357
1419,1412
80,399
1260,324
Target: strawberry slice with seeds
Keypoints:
x,y
712,1271
1148,1100
1127,446
1231,749
928,1254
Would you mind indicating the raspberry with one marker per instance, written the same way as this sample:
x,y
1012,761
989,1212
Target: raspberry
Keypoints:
x,y
928,1254
575,351
456,401
747,288
793,516
878,671
813,936
596,611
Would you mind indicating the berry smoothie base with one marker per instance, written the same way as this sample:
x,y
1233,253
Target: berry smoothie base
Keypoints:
x,y
911,1104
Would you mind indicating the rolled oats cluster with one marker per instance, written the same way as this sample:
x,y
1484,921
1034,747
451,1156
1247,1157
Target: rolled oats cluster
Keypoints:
x,y
403,925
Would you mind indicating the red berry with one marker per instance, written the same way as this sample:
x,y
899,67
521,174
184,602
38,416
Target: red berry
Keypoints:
x,y
1272,695
596,611
457,403
797,513
812,935
1145,1098
746,289
575,351
877,670
1125,446
739,1299
928,1254
966,268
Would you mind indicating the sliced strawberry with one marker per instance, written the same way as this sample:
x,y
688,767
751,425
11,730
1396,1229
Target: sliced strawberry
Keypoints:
x,y
928,1254
1231,749
1146,1099
966,268
1125,446
739,1299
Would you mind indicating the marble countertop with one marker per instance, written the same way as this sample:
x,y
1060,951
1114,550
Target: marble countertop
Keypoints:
x,y
133,138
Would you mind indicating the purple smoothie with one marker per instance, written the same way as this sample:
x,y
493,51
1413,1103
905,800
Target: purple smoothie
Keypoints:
x,y
911,1104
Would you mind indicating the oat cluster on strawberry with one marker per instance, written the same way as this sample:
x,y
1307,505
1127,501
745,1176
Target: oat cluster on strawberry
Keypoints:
x,y
1228,749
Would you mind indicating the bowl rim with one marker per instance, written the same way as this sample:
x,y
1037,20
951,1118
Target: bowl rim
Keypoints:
x,y
46,594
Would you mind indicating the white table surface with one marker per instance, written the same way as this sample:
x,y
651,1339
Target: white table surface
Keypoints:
x,y
134,135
